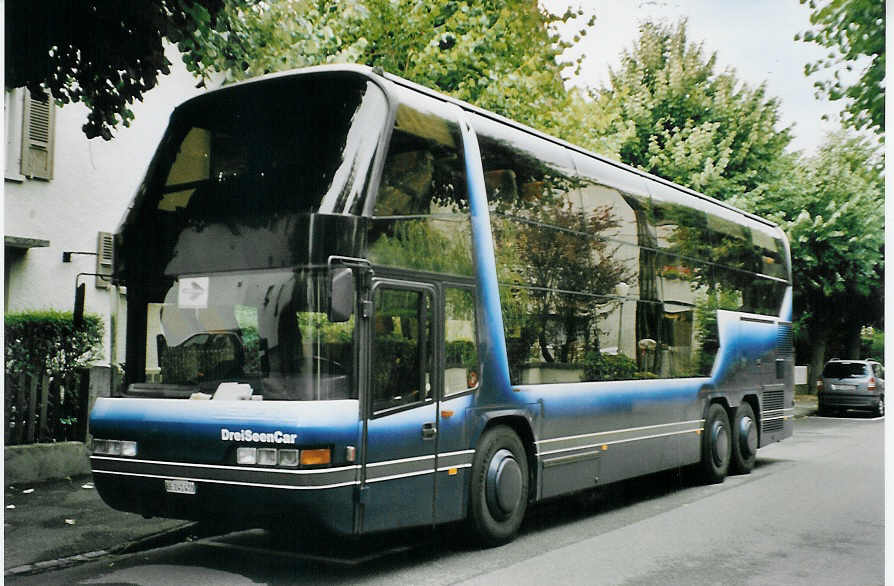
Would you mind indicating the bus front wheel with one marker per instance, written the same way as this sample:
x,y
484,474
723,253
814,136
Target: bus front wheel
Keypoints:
x,y
716,445
499,486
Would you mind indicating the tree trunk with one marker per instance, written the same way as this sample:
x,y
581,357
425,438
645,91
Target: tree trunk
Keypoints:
x,y
853,342
817,359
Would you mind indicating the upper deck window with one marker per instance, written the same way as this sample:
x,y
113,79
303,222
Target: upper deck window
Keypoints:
x,y
296,144
421,214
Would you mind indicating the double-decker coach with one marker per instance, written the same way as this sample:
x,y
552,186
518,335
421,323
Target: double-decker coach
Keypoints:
x,y
356,303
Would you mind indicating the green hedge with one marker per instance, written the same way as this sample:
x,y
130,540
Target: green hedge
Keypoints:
x,y
600,367
39,342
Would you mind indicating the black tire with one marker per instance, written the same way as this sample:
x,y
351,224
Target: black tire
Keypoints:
x,y
745,439
498,494
716,445
880,407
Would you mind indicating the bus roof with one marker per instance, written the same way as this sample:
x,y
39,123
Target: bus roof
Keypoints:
x,y
378,76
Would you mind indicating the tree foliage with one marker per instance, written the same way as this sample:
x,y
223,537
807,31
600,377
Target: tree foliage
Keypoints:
x,y
105,54
682,120
48,342
854,31
501,55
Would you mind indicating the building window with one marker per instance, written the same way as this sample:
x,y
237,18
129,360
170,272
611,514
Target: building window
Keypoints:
x,y
30,135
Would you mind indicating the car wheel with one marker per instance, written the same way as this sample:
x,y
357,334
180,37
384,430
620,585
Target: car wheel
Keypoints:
x,y
499,486
745,440
716,445
880,407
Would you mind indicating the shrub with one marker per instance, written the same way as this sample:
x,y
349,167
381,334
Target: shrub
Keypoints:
x,y
598,366
461,353
47,342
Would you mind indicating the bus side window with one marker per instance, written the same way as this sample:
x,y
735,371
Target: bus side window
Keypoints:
x,y
460,342
421,214
402,348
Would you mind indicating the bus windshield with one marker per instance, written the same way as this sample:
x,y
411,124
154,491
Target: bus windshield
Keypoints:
x,y
299,144
264,329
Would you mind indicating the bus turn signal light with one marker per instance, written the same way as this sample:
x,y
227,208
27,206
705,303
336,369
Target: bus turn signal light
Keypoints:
x,y
318,457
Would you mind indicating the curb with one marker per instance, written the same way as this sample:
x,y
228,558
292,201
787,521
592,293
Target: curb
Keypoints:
x,y
160,539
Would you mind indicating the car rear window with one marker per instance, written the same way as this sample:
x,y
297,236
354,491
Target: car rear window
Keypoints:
x,y
845,369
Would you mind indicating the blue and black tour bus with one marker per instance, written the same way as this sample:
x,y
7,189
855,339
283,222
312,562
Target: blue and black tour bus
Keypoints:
x,y
356,303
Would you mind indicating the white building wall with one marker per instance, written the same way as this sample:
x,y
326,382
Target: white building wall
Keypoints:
x,y
93,182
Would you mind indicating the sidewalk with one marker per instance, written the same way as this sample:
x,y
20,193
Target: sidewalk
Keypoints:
x,y
805,405
65,522
46,525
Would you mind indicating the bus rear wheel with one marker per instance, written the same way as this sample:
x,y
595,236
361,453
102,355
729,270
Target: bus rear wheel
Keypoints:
x,y
744,439
716,445
499,487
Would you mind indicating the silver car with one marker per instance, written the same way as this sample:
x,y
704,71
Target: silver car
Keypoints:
x,y
851,384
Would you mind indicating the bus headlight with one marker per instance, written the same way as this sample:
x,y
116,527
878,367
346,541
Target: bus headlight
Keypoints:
x,y
288,458
114,447
266,456
247,456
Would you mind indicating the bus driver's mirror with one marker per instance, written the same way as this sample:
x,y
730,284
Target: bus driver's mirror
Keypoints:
x,y
341,294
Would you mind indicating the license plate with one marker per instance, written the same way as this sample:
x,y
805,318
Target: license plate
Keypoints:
x,y
180,486
844,387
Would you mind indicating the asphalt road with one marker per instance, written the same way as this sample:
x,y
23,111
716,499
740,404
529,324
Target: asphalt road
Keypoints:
x,y
812,512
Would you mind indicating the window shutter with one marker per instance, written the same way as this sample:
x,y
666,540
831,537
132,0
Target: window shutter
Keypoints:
x,y
38,132
105,254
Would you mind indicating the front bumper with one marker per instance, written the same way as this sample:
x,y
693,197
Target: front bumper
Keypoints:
x,y
322,498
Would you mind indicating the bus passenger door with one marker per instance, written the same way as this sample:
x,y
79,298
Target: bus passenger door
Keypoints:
x,y
401,430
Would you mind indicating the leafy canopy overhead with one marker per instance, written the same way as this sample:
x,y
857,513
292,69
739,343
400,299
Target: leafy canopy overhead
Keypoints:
x,y
500,55
682,120
854,31
105,54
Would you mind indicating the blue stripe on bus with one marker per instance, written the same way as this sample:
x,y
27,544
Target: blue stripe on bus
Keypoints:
x,y
493,347
166,420
591,398
786,313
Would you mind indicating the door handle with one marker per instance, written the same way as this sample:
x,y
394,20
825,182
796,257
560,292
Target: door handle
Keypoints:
x,y
429,431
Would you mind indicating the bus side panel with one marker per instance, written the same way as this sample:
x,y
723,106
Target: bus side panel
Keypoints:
x,y
454,466
599,432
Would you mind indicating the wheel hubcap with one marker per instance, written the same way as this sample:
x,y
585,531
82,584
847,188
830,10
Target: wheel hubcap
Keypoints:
x,y
504,484
720,442
747,436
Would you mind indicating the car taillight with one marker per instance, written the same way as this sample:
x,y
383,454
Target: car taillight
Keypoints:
x,y
819,384
871,386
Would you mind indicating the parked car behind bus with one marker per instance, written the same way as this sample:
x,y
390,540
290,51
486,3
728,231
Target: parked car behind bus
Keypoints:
x,y
851,384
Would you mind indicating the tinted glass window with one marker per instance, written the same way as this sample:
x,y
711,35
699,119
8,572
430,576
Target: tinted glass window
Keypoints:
x,y
461,369
301,144
845,370
562,265
240,169
266,329
402,348
421,213
731,245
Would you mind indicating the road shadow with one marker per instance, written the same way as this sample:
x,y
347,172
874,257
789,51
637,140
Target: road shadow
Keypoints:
x,y
851,414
